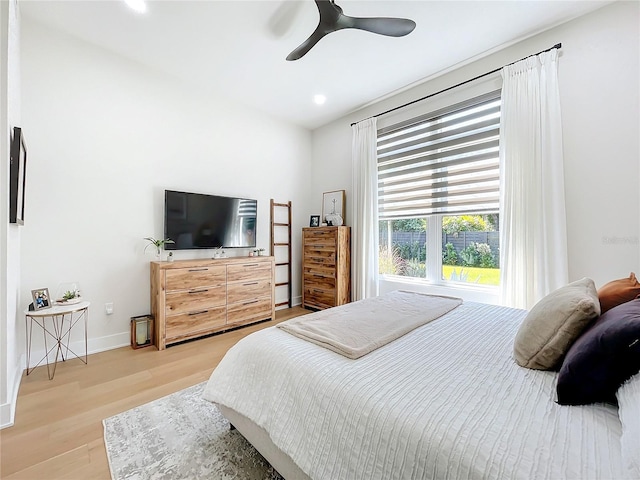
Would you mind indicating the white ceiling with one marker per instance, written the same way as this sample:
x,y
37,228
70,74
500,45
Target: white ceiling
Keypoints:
x,y
237,46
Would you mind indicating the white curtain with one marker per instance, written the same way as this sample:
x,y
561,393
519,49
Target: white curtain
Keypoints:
x,y
533,243
364,211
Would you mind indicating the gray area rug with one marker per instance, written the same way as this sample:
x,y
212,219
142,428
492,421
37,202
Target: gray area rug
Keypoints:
x,y
180,436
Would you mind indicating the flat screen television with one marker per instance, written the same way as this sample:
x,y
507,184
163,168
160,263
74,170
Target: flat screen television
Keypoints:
x,y
196,220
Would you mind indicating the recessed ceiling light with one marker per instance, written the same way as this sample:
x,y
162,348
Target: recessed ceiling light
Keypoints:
x,y
319,99
139,6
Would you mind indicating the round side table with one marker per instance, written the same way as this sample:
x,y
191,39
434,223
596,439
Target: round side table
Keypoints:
x,y
56,323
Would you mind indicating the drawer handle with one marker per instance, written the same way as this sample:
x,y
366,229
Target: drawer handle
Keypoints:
x,y
198,291
198,269
251,265
251,283
199,313
249,303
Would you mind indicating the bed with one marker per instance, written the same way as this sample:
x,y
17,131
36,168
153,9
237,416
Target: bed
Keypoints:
x,y
445,400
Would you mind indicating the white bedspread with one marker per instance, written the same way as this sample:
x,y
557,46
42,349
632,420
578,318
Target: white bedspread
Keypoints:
x,y
444,401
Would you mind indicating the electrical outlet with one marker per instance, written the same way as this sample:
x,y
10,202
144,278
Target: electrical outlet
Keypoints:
x,y
108,308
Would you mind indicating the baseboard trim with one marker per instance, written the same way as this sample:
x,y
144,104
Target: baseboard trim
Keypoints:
x,y
8,410
94,345
6,415
109,342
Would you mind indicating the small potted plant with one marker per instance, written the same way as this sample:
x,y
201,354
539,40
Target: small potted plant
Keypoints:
x,y
158,244
68,294
260,252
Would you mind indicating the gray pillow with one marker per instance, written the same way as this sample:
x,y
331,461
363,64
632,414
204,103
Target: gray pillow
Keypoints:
x,y
554,323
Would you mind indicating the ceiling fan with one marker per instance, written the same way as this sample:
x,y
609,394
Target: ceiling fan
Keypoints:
x,y
332,19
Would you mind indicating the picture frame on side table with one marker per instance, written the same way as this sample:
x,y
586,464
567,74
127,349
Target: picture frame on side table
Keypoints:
x,y
333,206
41,298
17,177
314,221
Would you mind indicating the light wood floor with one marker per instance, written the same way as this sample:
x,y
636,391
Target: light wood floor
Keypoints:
x,y
58,429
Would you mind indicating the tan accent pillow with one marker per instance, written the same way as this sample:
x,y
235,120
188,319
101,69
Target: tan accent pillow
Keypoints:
x,y
618,292
554,323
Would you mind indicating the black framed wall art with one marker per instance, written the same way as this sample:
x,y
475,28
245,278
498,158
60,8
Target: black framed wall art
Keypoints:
x,y
17,177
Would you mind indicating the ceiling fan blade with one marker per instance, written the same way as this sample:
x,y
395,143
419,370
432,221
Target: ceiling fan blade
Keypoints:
x,y
332,19
305,46
391,27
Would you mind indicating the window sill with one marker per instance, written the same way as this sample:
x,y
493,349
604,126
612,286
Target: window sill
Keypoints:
x,y
469,292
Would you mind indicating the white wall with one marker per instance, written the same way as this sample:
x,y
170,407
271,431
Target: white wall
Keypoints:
x,y
599,83
105,137
601,119
10,368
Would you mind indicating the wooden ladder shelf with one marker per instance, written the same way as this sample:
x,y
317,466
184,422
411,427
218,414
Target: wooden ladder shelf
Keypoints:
x,y
281,248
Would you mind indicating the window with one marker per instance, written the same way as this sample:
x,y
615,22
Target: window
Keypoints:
x,y
439,192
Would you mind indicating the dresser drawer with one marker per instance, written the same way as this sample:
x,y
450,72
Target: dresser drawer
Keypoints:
x,y
195,322
319,236
190,278
319,257
249,290
313,269
195,300
319,297
318,279
249,271
320,247
259,309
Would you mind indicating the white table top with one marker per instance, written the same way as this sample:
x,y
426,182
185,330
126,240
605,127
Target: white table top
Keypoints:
x,y
57,310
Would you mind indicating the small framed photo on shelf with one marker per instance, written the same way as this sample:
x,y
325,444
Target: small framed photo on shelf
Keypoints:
x,y
41,298
314,221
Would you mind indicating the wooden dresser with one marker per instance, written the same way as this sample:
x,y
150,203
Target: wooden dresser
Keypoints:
x,y
193,298
326,267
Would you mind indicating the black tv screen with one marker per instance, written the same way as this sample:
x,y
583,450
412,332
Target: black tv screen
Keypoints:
x,y
195,220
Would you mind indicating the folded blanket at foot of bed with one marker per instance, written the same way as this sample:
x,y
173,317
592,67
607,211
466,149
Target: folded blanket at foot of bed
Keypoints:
x,y
353,331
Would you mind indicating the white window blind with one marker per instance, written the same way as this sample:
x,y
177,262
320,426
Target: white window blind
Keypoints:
x,y
445,162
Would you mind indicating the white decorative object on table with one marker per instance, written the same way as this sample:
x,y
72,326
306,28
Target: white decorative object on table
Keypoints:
x,y
68,293
334,220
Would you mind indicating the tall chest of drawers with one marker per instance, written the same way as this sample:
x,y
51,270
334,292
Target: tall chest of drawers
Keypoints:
x,y
326,267
193,298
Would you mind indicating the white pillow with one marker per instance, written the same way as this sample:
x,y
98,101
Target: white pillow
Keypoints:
x,y
554,323
629,411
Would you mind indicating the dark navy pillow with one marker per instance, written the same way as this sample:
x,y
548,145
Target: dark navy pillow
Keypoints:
x,y
602,358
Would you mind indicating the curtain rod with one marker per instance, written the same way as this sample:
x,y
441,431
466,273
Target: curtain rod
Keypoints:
x,y
557,45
